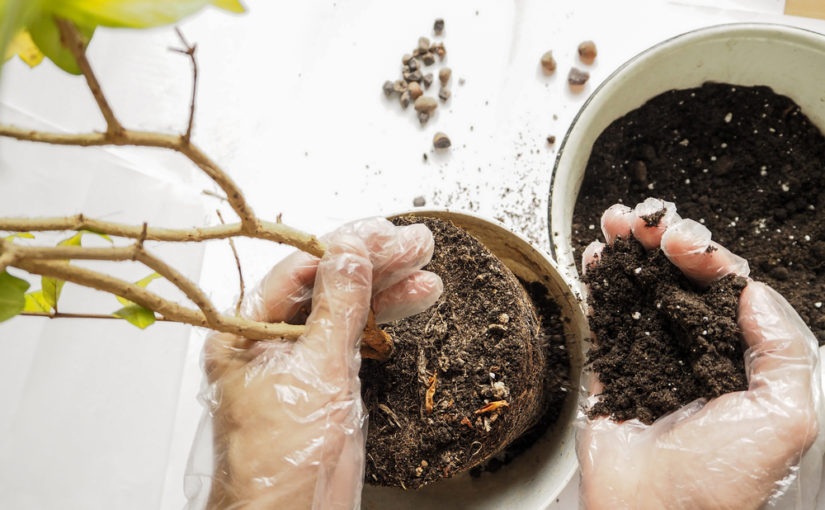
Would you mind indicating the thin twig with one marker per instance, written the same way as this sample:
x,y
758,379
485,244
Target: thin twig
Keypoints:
x,y
116,254
240,271
213,194
167,309
277,232
64,315
190,51
71,38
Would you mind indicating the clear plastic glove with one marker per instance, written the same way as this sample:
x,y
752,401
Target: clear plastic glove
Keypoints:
x,y
285,424
742,450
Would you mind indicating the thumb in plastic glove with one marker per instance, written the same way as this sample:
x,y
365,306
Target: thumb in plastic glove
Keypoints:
x,y
287,418
739,450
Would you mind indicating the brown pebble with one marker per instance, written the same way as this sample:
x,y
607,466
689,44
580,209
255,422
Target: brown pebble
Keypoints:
x,y
406,58
413,76
441,141
423,117
413,64
405,99
587,52
576,79
418,52
428,59
419,202
548,63
399,86
415,90
423,43
427,80
444,75
438,26
551,140
440,51
388,88
444,95
425,104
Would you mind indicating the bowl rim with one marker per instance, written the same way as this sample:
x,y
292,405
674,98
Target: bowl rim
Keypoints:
x,y
731,28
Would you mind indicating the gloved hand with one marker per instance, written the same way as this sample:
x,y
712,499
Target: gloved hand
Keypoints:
x,y
738,451
288,424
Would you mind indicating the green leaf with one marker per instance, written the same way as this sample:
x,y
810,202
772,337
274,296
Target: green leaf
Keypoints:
x,y
14,15
126,13
143,282
46,35
72,241
229,5
35,302
137,315
52,287
22,235
12,295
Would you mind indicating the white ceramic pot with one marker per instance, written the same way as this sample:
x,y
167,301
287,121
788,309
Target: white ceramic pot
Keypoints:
x,y
534,479
789,60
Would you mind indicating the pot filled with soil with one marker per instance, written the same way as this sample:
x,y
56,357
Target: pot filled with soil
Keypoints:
x,y
725,122
475,406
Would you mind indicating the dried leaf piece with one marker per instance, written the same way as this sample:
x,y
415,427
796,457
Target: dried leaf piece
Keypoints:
x,y
466,421
428,397
492,406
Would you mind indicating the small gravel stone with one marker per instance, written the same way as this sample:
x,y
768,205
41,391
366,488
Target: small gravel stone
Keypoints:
x,y
438,26
548,63
405,99
419,202
423,117
388,88
428,59
427,80
406,58
415,90
444,75
423,44
425,104
413,76
587,52
441,51
441,141
551,140
444,95
576,80
413,64
400,86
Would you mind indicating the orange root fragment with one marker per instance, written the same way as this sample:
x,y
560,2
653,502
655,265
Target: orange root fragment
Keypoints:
x,y
377,344
492,406
428,398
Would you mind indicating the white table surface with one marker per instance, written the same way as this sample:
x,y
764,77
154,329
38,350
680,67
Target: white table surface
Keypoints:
x,y
101,415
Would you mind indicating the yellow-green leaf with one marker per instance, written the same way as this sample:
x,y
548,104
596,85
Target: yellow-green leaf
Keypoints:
x,y
75,240
143,282
52,287
125,13
35,302
12,295
21,235
104,236
23,46
137,315
46,35
14,15
229,5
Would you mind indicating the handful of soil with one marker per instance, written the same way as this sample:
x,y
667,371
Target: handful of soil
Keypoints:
x,y
467,377
661,342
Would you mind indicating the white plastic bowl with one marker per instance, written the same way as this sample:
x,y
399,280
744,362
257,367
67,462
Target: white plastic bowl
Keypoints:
x,y
534,479
789,60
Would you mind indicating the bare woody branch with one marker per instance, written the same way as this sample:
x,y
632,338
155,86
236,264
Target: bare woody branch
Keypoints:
x,y
167,309
240,271
277,232
73,41
189,49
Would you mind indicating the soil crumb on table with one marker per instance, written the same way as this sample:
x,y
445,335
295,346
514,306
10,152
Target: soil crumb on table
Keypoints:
x,y
744,161
660,342
467,377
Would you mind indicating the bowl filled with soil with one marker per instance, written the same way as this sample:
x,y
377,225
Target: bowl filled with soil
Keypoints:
x,y
726,123
475,407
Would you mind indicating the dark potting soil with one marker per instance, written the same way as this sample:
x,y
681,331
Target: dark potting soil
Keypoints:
x,y
479,344
744,161
660,342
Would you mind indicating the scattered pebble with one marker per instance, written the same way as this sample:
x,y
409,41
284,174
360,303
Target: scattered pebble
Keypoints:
x,y
425,104
388,88
406,58
414,89
419,201
427,80
551,140
399,86
423,117
441,141
818,304
548,63
423,44
438,26
405,99
444,95
444,75
728,118
428,59
440,51
637,315
576,79
587,52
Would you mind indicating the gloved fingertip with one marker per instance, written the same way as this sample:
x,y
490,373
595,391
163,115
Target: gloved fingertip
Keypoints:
x,y
591,255
651,219
685,237
616,222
